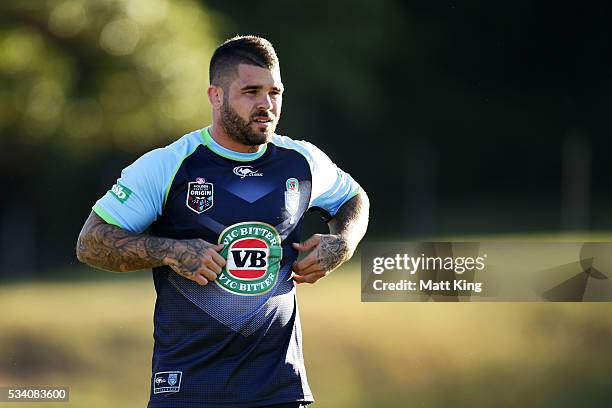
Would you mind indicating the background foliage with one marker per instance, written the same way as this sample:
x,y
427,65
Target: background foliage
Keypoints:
x,y
458,118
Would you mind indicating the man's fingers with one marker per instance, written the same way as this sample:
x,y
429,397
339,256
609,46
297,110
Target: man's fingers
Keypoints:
x,y
202,275
217,258
208,272
217,247
310,278
216,268
213,263
308,244
199,279
308,261
313,268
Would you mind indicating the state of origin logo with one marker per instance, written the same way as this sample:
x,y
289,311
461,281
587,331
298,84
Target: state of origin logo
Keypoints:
x,y
253,252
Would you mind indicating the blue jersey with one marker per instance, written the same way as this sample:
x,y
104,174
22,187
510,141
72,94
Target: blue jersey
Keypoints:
x,y
235,342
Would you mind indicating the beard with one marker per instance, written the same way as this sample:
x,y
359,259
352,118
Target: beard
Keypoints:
x,y
241,131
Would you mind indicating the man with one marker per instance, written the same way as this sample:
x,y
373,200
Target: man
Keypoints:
x,y
222,208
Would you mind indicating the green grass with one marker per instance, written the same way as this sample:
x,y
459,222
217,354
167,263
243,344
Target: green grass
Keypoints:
x,y
96,338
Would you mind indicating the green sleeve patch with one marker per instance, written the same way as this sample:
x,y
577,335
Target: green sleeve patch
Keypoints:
x,y
121,193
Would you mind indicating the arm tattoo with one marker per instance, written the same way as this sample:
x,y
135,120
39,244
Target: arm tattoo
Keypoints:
x,y
351,220
332,251
347,228
112,248
188,259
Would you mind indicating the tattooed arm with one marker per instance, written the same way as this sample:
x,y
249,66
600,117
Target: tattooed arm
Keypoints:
x,y
108,247
328,251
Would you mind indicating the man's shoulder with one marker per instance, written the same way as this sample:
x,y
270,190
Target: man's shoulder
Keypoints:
x,y
311,153
183,146
165,159
303,147
177,150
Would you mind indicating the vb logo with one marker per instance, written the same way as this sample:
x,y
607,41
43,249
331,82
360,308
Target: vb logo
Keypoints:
x,y
253,252
248,258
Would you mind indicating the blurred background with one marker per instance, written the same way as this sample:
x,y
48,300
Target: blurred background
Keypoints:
x,y
463,119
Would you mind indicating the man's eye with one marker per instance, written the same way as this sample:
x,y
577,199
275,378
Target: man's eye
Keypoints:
x,y
252,92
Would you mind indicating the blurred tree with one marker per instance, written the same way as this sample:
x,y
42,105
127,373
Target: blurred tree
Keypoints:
x,y
90,76
85,87
452,114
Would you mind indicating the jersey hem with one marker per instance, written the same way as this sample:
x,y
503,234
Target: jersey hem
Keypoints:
x,y
102,213
352,195
169,404
356,191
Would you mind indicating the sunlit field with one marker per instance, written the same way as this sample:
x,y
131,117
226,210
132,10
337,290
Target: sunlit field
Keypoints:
x,y
96,338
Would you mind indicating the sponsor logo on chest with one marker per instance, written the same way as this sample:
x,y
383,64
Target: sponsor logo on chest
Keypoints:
x,y
253,258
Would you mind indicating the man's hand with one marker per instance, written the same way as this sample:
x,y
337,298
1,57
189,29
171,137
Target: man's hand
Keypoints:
x,y
196,259
327,253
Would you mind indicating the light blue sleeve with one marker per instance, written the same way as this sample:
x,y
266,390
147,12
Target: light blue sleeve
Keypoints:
x,y
331,187
138,197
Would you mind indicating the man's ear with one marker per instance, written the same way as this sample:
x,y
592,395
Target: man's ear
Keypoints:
x,y
215,96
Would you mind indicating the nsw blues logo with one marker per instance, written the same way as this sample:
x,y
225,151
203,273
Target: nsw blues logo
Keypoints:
x,y
172,379
167,381
200,195
292,198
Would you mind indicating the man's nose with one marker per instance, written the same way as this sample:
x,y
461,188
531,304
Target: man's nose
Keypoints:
x,y
265,102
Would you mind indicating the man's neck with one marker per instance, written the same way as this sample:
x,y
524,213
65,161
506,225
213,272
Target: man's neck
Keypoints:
x,y
225,140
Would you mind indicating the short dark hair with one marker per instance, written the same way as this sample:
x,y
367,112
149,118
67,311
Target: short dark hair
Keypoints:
x,y
243,49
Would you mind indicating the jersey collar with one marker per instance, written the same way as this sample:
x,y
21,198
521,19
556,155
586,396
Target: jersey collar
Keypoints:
x,y
227,153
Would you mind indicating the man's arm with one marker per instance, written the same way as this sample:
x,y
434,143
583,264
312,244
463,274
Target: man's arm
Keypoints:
x,y
331,250
109,247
